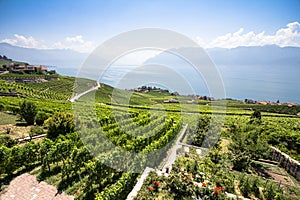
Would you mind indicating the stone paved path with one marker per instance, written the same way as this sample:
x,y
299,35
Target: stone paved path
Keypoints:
x,y
26,187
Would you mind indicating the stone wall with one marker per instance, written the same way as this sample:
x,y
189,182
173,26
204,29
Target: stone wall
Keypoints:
x,y
290,165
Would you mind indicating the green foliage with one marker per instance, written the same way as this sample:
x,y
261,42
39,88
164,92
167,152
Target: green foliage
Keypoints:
x,y
256,117
57,88
137,128
40,118
60,124
247,144
7,141
28,111
200,131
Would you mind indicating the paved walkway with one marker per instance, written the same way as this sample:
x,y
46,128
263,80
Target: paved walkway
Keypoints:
x,y
169,162
25,139
73,99
173,154
26,187
139,184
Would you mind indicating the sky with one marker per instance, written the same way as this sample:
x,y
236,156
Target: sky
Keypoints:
x,y
82,25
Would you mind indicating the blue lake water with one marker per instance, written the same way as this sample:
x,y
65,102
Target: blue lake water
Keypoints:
x,y
252,82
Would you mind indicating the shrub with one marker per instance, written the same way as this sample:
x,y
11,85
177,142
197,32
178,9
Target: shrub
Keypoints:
x,y
60,124
40,118
7,141
28,112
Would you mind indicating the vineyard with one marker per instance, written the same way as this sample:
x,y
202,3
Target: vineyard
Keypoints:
x,y
97,148
61,88
68,158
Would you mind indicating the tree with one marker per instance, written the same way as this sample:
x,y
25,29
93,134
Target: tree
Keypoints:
x,y
60,124
40,118
45,155
51,72
28,112
256,115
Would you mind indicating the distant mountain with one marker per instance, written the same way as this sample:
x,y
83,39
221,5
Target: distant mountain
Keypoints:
x,y
270,55
51,57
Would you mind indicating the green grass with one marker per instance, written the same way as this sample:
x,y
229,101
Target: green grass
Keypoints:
x,y
8,62
7,118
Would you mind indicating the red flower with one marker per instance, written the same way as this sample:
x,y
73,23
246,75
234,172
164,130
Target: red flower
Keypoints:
x,y
217,189
203,184
156,183
150,188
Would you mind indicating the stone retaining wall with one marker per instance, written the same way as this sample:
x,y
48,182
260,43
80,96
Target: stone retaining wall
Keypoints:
x,y
290,165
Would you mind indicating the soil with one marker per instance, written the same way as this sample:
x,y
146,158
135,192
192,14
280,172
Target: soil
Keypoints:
x,y
15,132
281,178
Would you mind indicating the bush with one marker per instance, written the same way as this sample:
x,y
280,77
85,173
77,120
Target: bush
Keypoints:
x,y
7,141
28,112
60,124
40,118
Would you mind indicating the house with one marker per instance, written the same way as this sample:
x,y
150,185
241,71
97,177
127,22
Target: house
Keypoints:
x,y
29,68
262,102
290,104
171,101
192,101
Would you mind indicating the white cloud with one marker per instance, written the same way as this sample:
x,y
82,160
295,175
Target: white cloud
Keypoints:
x,y
22,41
287,36
77,38
76,43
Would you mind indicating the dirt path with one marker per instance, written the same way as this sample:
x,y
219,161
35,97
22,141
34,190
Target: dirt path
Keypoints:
x,y
26,187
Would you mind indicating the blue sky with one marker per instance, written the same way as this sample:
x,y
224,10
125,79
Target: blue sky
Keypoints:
x,y
83,24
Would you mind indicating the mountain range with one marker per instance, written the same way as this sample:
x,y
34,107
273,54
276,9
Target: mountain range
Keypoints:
x,y
51,57
241,56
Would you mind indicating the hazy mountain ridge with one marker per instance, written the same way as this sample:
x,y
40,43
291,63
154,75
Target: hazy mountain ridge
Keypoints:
x,y
252,55
259,55
269,55
52,57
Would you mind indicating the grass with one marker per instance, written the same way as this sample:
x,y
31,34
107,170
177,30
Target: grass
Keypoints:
x,y
7,118
8,62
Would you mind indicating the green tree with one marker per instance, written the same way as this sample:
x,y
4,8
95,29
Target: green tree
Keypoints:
x,y
247,146
40,118
45,155
60,124
28,112
255,117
